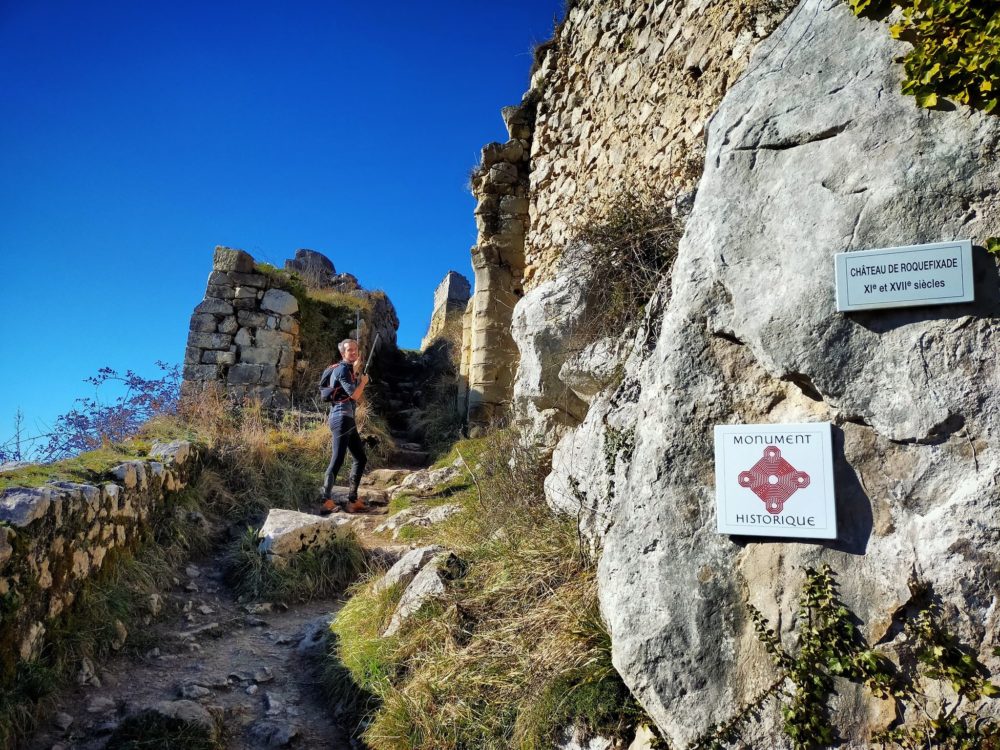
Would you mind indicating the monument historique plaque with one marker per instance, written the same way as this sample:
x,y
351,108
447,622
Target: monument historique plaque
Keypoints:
x,y
936,274
775,480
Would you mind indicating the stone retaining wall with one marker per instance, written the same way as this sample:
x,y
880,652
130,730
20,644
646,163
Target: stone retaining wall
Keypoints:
x,y
53,538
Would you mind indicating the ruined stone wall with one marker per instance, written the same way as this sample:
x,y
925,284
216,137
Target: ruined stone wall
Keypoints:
x,y
500,185
54,537
450,300
268,335
245,333
626,89
618,104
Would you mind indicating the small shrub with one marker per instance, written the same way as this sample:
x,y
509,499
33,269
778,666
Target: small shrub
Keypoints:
x,y
630,249
831,645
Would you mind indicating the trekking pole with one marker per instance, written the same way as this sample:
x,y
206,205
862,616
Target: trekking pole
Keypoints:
x,y
371,353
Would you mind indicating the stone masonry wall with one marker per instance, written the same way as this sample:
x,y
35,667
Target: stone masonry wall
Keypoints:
x,y
500,185
52,538
626,88
245,333
450,300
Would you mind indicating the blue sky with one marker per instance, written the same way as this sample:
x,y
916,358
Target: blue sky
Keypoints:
x,y
135,137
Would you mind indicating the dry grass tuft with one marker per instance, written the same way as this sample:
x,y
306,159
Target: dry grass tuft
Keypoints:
x,y
517,649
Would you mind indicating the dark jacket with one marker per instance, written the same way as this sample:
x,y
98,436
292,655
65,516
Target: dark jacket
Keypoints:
x,y
341,376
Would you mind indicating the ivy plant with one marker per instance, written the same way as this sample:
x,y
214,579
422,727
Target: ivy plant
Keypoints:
x,y
829,644
956,48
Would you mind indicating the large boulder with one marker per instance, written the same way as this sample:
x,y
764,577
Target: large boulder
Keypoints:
x,y
287,532
813,152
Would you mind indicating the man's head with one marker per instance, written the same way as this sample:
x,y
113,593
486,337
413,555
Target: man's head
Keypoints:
x,y
348,350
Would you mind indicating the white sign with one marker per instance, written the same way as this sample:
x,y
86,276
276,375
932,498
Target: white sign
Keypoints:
x,y
775,480
937,274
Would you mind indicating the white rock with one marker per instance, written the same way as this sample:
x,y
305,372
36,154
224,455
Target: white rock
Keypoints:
x,y
286,532
280,302
428,584
407,567
814,152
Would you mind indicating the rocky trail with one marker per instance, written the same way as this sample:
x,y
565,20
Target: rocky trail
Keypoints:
x,y
253,668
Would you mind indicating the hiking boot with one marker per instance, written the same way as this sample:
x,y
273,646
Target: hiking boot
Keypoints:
x,y
328,507
356,506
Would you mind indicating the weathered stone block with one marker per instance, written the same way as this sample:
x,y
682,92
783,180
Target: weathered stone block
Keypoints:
x,y
245,292
287,532
214,357
245,304
279,301
231,259
192,355
243,337
259,355
228,325
512,205
200,372
491,154
251,319
203,323
174,453
20,506
502,173
235,279
289,324
217,306
274,339
245,374
220,292
512,151
210,340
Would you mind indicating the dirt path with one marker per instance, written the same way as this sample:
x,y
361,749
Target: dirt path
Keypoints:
x,y
255,667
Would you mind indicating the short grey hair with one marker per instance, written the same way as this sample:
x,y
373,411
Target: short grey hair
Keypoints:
x,y
343,345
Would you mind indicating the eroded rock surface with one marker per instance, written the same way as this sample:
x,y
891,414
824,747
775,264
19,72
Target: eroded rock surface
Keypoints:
x,y
814,152
286,532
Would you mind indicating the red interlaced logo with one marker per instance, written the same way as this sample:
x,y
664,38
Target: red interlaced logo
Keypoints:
x,y
774,480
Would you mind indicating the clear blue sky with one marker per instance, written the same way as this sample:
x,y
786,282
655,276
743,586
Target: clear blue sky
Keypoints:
x,y
137,136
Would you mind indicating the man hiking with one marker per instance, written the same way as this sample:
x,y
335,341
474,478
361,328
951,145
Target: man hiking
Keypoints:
x,y
341,388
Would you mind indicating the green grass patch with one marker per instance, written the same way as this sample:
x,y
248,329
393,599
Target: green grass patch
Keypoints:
x,y
309,574
92,466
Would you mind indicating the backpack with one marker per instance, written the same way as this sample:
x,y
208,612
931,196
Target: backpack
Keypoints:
x,y
329,389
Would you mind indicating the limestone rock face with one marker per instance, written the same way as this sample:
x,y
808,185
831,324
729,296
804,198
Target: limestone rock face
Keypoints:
x,y
545,328
814,152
